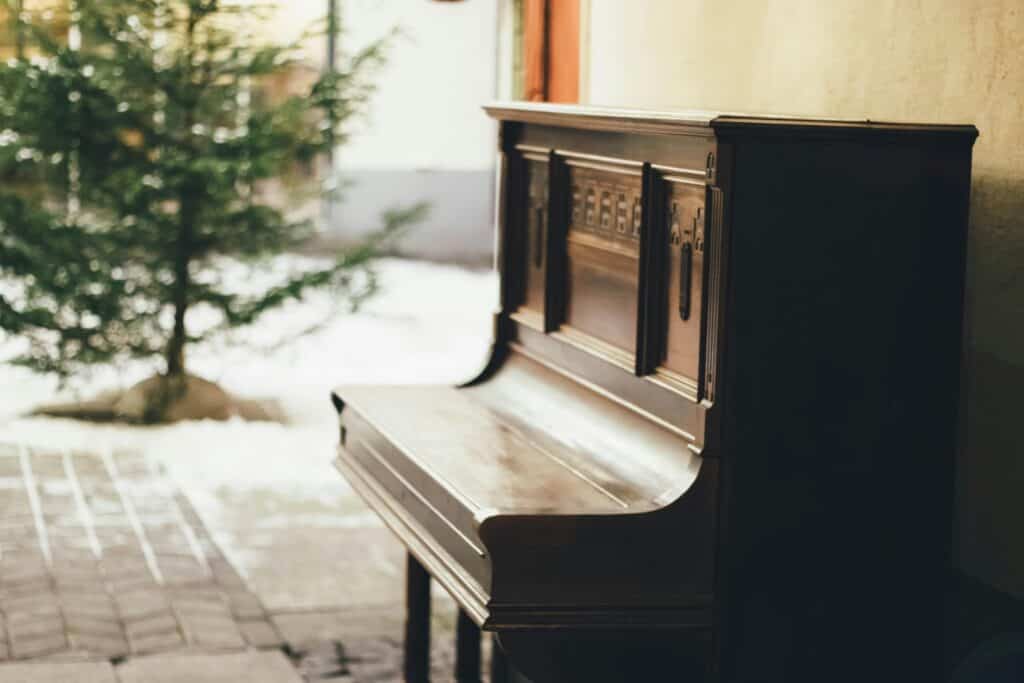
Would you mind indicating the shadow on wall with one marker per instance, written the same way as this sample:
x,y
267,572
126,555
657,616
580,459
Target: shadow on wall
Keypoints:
x,y
459,229
990,505
987,598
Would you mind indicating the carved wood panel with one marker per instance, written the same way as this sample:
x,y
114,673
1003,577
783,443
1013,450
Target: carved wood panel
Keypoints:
x,y
605,220
685,222
607,206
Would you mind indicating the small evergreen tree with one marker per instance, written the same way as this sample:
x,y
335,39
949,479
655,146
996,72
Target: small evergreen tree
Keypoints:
x,y
141,161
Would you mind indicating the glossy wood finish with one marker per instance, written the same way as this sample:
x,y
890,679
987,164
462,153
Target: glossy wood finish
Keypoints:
x,y
715,438
602,269
530,447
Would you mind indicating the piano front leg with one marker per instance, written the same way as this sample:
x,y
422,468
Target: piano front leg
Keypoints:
x,y
416,664
467,650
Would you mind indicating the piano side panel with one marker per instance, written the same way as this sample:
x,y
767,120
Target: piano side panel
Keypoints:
x,y
575,565
838,406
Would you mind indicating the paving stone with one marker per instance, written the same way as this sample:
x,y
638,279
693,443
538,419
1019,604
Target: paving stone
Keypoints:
x,y
246,605
97,606
160,623
46,465
29,628
373,640
302,628
88,466
22,568
70,655
155,643
126,568
64,672
62,602
224,573
260,633
253,666
105,646
70,575
209,624
325,661
141,605
29,606
178,569
92,626
38,645
215,635
213,608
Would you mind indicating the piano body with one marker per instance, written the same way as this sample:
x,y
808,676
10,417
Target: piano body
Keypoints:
x,y
715,439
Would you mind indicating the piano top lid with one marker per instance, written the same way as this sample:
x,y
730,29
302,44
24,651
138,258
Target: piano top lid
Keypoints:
x,y
702,122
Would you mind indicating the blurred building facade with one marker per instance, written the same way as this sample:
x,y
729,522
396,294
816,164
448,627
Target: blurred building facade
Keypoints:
x,y
425,137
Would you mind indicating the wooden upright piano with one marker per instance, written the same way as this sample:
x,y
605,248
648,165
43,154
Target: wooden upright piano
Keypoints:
x,y
715,439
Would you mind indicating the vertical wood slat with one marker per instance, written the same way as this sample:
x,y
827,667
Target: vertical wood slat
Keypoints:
x,y
535,50
512,224
563,62
417,623
652,322
555,276
551,49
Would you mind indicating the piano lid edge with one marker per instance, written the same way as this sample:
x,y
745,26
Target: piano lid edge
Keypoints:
x,y
472,597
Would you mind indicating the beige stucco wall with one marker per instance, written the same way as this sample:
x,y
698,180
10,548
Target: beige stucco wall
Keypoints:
x,y
922,60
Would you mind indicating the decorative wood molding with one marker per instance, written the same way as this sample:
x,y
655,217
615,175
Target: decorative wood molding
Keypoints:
x,y
723,123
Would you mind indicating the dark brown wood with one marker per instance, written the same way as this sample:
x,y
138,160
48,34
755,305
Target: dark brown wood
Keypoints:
x,y
501,669
467,649
557,209
499,663
416,662
684,244
754,486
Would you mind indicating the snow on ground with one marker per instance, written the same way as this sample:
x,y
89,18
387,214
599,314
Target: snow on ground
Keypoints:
x,y
254,483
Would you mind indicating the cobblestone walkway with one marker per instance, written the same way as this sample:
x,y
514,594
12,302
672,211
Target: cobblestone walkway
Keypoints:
x,y
101,557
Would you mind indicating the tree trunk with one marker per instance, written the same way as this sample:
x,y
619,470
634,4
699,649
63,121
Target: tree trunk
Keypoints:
x,y
174,383
179,336
188,209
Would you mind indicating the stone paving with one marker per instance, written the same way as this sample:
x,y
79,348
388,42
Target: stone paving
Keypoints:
x,y
102,558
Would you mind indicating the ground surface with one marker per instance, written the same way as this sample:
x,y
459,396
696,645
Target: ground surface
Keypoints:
x,y
318,562
101,557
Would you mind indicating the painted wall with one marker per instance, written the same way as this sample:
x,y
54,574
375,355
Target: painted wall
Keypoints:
x,y
957,61
426,137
